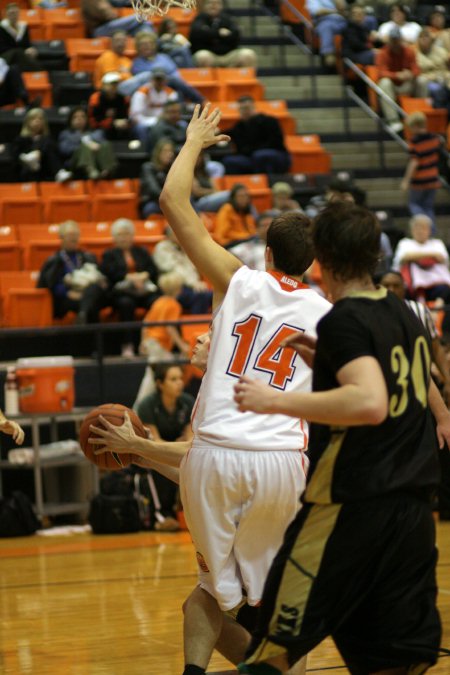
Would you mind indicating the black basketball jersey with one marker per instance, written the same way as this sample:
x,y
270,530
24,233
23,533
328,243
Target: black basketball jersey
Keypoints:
x,y
352,463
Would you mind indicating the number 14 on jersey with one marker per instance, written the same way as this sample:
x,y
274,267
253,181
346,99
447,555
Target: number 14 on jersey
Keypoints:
x,y
271,358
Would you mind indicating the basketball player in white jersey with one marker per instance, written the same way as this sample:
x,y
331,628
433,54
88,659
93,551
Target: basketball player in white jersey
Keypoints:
x,y
241,481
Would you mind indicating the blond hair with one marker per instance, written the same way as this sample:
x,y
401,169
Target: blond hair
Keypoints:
x,y
416,119
31,114
170,283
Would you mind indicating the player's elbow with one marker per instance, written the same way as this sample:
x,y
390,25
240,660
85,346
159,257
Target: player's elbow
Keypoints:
x,y
375,410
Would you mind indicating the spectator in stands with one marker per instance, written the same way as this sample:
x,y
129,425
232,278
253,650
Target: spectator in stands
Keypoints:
x,y
421,178
174,44
102,19
205,196
147,105
235,220
132,277
86,152
328,19
12,87
437,26
159,342
215,39
170,125
73,278
252,251
108,110
357,38
15,43
423,262
398,74
258,142
148,59
114,60
195,297
167,413
432,60
153,176
34,151
282,201
409,30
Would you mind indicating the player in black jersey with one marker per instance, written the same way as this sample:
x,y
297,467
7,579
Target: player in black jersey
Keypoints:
x,y
358,562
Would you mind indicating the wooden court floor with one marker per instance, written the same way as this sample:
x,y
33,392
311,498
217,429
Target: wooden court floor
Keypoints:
x,y
111,605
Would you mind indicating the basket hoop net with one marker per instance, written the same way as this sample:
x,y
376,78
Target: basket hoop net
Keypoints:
x,y
145,9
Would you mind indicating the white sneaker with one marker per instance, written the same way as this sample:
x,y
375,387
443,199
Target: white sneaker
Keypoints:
x,y
128,351
396,126
63,175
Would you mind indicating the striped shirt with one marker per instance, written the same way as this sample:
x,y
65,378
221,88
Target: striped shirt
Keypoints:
x,y
424,315
425,149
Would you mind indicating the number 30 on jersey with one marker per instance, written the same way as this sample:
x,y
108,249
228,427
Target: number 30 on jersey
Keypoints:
x,y
272,358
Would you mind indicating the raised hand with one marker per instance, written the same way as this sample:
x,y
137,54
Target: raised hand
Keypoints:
x,y
204,127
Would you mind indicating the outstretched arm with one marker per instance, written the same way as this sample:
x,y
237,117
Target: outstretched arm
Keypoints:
x,y
210,259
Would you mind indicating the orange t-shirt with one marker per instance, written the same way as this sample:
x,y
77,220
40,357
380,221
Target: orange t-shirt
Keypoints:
x,y
164,308
110,62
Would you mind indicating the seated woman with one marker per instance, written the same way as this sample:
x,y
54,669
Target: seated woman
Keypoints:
x,y
73,277
86,152
34,151
205,197
235,220
424,264
174,44
153,176
167,413
132,277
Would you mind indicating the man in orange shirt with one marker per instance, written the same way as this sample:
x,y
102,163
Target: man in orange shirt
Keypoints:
x,y
398,74
115,60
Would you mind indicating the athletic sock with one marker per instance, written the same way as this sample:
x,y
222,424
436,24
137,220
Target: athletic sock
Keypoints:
x,y
258,669
189,669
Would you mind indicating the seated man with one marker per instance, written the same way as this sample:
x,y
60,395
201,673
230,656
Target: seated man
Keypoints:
x,y
108,110
73,278
258,142
327,17
399,74
215,38
102,19
15,43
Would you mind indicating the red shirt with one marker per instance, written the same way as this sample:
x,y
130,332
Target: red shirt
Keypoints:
x,y
389,63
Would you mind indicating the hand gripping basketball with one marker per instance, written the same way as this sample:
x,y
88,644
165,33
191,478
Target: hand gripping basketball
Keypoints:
x,y
108,436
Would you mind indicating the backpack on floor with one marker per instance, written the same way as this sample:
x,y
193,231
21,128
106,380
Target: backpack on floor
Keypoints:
x,y
17,517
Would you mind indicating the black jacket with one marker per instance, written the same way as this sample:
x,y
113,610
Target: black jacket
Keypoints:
x,y
114,267
355,39
258,133
8,42
53,269
204,34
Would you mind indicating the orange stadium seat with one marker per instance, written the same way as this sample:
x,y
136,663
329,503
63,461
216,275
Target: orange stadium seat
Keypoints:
x,y
84,52
278,109
308,156
205,80
10,251
258,186
113,198
96,244
150,227
35,20
22,304
20,203
65,201
63,23
38,84
437,118
38,243
236,82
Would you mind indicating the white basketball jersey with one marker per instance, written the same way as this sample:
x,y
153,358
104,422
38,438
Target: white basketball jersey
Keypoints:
x,y
260,309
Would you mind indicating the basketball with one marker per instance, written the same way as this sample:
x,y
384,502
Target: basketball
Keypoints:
x,y
114,413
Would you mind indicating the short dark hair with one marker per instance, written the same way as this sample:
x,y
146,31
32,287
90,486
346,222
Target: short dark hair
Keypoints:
x,y
289,238
347,240
245,98
160,370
